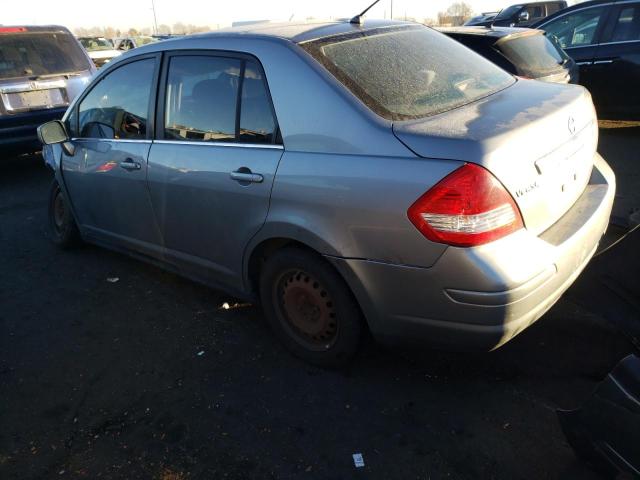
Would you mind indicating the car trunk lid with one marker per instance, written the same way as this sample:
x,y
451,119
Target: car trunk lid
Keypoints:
x,y
24,96
538,139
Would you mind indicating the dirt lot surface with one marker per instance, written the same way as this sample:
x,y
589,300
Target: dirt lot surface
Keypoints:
x,y
149,377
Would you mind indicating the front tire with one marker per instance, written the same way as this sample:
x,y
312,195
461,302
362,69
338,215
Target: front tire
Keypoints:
x,y
62,227
310,308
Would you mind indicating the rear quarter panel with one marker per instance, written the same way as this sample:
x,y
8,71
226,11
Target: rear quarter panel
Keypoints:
x,y
354,206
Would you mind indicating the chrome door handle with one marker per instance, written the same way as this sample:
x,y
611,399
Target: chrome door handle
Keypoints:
x,y
248,177
602,62
129,164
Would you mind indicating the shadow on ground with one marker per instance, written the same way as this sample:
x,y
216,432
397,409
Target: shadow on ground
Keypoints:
x,y
149,377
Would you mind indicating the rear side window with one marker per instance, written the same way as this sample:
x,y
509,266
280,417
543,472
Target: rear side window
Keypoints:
x,y
533,55
257,123
404,73
553,8
576,28
535,11
27,54
202,101
627,25
118,106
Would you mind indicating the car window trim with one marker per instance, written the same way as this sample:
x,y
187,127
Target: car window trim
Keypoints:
x,y
619,42
269,146
603,21
111,140
243,57
104,72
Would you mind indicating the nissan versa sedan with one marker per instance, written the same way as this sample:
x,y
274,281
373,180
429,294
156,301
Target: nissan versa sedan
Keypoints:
x,y
348,177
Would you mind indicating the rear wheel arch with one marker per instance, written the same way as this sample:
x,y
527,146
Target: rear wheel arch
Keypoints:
x,y
268,247
262,251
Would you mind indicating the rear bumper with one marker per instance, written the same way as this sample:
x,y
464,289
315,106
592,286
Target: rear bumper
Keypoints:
x,y
18,132
479,298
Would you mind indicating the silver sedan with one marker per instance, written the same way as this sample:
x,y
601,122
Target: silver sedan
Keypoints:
x,y
348,177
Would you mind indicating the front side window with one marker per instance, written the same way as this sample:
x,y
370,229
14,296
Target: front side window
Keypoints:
x,y
118,106
627,27
575,29
403,73
202,101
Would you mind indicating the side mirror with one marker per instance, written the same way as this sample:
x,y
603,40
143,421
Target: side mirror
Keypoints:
x,y
523,17
52,132
55,132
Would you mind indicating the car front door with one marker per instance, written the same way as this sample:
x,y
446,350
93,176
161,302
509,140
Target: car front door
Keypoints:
x,y
213,162
106,175
578,32
616,64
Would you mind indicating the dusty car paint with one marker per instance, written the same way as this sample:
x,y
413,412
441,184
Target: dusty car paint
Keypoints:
x,y
341,182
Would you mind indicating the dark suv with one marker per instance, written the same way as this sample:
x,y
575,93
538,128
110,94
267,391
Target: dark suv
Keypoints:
x,y
41,70
522,14
603,37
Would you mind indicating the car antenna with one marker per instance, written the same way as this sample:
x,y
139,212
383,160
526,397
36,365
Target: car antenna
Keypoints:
x,y
357,20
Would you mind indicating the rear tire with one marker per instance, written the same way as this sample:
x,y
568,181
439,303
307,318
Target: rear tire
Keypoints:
x,y
62,227
310,308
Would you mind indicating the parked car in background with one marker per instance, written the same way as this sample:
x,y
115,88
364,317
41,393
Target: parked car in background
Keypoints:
x,y
603,37
42,69
523,14
377,176
100,49
524,52
482,19
129,43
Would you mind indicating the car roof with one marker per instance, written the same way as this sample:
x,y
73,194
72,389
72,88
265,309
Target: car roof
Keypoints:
x,y
35,28
493,32
297,32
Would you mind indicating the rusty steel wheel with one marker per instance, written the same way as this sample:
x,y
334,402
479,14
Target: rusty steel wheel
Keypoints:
x,y
308,309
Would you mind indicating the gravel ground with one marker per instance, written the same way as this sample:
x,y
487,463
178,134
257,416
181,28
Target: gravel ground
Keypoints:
x,y
150,377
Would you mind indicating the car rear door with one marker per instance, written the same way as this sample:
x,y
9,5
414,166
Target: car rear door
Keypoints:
x,y
578,32
616,65
106,175
213,162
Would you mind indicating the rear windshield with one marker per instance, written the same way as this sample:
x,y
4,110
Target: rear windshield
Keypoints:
x,y
40,53
95,44
533,55
403,73
508,12
144,40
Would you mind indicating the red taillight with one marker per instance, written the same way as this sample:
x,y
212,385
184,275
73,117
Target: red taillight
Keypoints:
x,y
468,207
12,29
